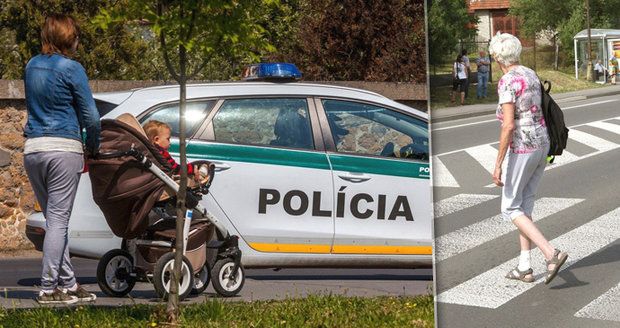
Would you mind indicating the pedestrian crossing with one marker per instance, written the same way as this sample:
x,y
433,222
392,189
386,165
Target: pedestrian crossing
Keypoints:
x,y
494,227
471,238
605,307
485,155
490,289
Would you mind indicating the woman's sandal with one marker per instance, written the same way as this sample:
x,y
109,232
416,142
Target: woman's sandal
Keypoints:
x,y
525,276
558,260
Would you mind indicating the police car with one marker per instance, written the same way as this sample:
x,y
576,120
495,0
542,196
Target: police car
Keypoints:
x,y
307,175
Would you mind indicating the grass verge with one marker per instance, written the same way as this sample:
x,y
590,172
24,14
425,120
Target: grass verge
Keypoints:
x,y
560,82
313,311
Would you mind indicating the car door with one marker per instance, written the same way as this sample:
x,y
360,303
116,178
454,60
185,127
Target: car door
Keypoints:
x,y
381,178
273,179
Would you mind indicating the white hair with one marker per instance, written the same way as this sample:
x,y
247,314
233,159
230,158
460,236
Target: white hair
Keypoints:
x,y
505,48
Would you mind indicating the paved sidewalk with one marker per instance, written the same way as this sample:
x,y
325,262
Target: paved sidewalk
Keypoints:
x,y
452,113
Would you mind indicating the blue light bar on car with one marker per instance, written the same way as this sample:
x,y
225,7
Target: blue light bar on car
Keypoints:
x,y
271,72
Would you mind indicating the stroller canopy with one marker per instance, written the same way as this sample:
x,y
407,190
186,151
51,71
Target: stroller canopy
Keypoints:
x,y
123,188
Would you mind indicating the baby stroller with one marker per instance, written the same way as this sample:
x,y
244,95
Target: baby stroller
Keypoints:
x,y
131,182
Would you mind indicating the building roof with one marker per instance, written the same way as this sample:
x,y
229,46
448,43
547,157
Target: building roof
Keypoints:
x,y
474,5
598,33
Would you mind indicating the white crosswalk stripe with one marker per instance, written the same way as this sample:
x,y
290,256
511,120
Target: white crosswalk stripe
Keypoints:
x,y
459,202
605,307
486,154
595,142
615,128
486,230
441,175
491,290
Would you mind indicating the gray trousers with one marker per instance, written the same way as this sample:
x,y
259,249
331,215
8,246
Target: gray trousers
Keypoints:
x,y
54,177
523,175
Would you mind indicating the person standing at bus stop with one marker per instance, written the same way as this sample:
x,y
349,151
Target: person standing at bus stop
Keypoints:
x,y
467,64
525,141
482,64
59,103
613,69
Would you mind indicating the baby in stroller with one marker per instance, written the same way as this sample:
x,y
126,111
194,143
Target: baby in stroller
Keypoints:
x,y
131,181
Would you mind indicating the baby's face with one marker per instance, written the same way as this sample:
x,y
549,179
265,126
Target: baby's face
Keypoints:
x,y
162,139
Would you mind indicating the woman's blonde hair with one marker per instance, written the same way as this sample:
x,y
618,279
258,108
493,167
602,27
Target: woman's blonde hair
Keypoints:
x,y
59,35
505,48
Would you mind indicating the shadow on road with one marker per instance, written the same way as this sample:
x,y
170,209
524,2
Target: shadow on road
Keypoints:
x,y
36,282
607,255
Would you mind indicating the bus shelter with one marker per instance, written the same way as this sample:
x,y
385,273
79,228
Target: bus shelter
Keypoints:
x,y
605,45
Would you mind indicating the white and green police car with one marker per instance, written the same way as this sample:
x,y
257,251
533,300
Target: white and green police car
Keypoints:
x,y
307,175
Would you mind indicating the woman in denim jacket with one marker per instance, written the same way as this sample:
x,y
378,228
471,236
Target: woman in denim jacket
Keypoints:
x,y
60,105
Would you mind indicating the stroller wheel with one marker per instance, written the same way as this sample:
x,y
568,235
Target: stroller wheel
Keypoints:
x,y
162,277
222,282
113,273
201,279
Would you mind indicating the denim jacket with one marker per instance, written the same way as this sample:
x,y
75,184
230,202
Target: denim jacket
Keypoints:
x,y
59,101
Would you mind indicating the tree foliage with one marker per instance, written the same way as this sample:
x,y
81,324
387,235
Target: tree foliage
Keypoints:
x,y
356,40
564,17
111,54
327,39
448,23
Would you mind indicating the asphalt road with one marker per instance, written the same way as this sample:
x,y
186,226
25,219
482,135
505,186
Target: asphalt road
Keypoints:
x,y
20,276
577,208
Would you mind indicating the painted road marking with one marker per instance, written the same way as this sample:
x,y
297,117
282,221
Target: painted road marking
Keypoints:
x,y
491,290
459,202
615,128
605,307
465,124
486,154
496,120
595,142
494,227
441,175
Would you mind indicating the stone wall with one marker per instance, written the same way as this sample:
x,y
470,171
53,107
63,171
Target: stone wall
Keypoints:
x,y
16,198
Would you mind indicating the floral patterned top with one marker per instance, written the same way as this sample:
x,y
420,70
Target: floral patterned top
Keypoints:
x,y
521,86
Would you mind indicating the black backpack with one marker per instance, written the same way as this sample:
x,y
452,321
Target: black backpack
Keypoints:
x,y
554,119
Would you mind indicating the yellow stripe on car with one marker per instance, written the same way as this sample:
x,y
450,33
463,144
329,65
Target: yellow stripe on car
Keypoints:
x,y
342,249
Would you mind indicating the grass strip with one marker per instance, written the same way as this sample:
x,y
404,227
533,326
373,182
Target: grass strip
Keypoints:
x,y
313,311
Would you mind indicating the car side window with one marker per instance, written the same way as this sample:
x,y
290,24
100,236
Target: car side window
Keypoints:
x,y
366,129
282,122
195,113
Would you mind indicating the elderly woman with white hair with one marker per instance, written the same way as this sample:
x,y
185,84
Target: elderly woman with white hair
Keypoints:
x,y
524,138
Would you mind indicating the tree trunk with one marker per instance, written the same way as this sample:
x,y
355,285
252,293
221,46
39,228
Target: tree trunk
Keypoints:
x,y
172,309
534,64
556,57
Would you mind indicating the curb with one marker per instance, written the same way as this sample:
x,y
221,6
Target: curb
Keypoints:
x,y
492,110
